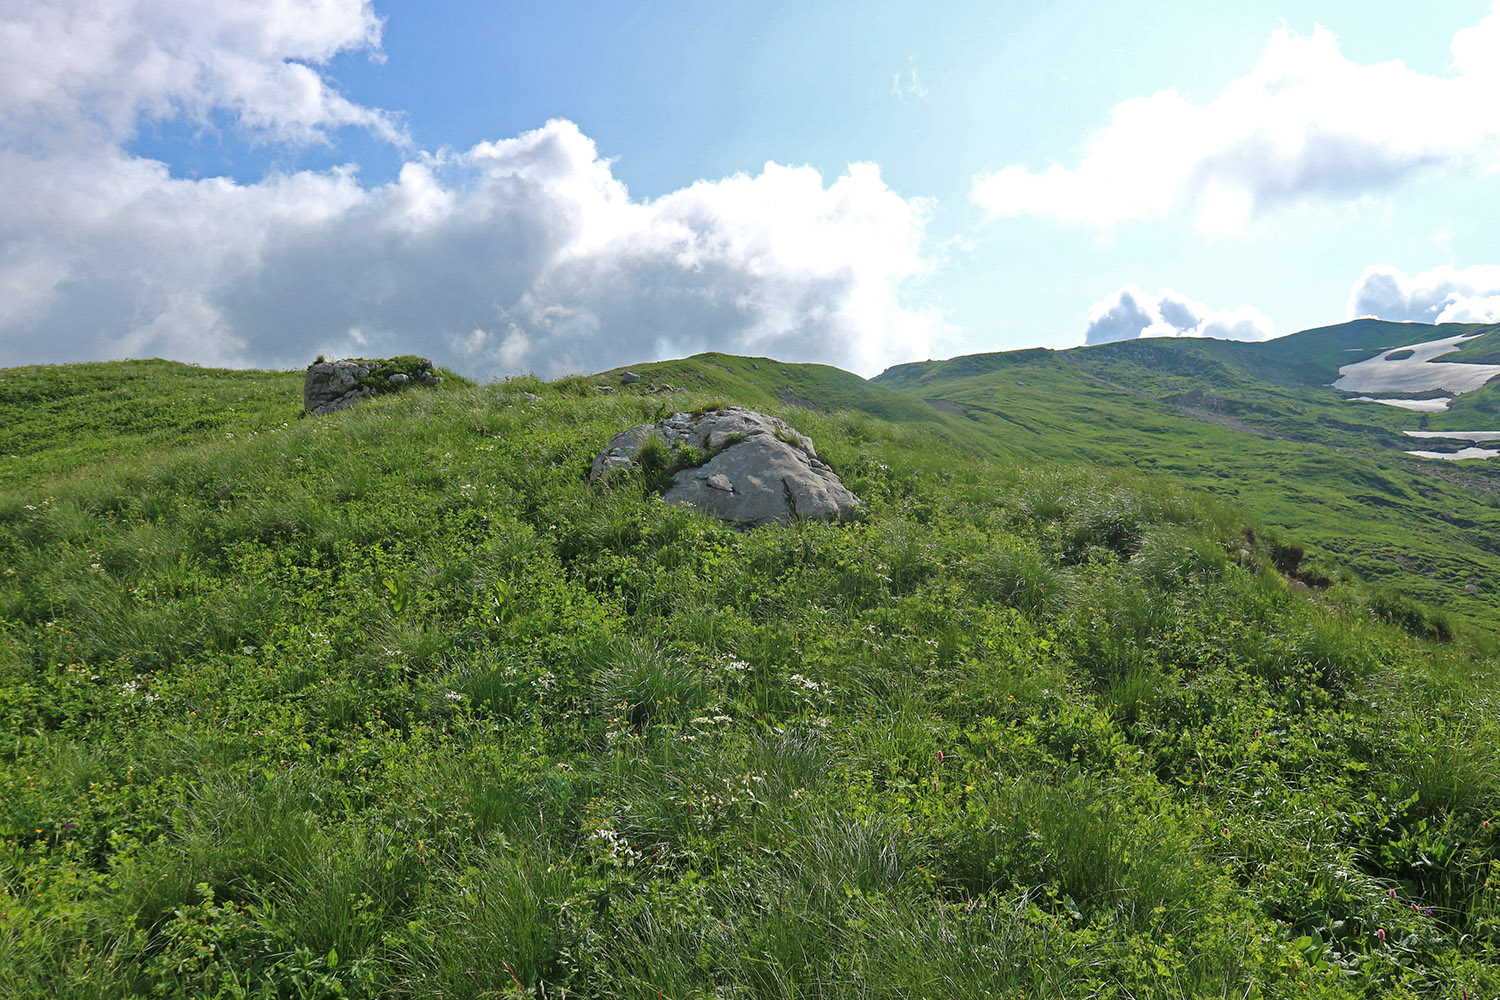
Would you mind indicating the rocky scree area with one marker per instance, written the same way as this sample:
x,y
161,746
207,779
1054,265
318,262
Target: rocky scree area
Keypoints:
x,y
743,467
338,385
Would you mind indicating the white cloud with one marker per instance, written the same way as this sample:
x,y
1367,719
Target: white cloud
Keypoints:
x,y
1129,313
1305,122
908,86
77,72
520,254
1442,295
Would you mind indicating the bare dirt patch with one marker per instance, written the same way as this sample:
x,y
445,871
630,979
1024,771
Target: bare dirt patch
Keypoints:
x,y
947,406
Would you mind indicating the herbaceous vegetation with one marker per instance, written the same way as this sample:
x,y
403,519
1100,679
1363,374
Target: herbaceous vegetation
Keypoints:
x,y
1260,425
393,703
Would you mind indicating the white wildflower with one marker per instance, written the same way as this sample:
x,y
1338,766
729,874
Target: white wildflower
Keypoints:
x,y
620,853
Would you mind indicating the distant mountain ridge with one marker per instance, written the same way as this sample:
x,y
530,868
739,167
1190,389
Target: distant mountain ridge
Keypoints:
x,y
1263,425
1258,424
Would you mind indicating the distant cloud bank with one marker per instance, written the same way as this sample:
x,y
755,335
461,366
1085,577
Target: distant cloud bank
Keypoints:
x,y
524,254
1305,122
1441,295
1130,313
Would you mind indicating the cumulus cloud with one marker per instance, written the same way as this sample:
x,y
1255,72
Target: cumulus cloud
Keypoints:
x,y
1442,295
520,254
523,254
78,72
1305,122
1130,313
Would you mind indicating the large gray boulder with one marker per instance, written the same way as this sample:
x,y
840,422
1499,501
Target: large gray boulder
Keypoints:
x,y
758,471
338,385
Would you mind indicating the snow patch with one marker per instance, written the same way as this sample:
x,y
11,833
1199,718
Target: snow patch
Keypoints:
x,y
1420,405
1417,373
1454,456
1475,436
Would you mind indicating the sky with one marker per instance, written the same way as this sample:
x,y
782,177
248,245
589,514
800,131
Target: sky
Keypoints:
x,y
575,185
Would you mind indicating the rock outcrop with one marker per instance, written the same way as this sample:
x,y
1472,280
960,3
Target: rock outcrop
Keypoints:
x,y
755,469
338,385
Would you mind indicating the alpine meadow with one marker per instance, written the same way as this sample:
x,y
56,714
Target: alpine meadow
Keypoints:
x,y
1153,669
752,500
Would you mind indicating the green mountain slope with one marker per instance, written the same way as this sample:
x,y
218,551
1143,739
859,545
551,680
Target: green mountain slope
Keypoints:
x,y
1259,425
394,703
1313,357
58,417
765,382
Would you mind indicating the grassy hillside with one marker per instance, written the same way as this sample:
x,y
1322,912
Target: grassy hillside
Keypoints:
x,y
393,703
54,418
765,382
1256,425
1313,357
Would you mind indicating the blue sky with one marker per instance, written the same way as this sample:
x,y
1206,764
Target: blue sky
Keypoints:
x,y
571,186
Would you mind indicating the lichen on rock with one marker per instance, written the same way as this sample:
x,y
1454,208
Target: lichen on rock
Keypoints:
x,y
338,385
751,469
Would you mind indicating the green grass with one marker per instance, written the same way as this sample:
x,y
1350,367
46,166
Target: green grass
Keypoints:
x,y
54,418
394,703
1256,425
